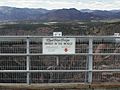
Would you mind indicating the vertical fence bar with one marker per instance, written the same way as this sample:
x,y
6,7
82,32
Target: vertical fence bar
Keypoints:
x,y
28,60
57,64
57,60
90,60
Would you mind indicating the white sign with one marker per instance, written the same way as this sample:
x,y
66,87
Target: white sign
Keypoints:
x,y
58,45
57,33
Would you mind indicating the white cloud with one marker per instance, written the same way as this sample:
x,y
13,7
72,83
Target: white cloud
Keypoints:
x,y
55,4
99,5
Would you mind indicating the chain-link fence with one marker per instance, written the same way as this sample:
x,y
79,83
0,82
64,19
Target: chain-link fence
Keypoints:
x,y
96,59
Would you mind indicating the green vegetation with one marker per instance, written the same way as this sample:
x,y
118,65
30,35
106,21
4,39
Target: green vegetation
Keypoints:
x,y
68,28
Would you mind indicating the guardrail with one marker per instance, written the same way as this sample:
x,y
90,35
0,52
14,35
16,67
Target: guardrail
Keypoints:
x,y
96,59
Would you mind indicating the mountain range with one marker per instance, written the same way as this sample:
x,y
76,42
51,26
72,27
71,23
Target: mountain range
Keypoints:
x,y
13,13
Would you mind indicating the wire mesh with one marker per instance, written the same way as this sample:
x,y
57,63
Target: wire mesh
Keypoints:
x,y
103,62
12,46
12,63
58,62
82,45
35,45
106,45
77,61
53,77
106,77
13,77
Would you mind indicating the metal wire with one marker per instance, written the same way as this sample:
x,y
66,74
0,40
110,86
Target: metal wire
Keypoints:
x,y
14,67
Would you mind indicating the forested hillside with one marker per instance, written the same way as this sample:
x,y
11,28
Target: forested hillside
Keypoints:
x,y
68,28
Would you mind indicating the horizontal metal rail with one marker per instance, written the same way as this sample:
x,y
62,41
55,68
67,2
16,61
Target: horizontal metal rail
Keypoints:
x,y
40,54
37,54
31,71
112,36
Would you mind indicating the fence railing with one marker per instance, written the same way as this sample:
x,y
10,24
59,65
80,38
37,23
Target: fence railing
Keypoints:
x,y
96,59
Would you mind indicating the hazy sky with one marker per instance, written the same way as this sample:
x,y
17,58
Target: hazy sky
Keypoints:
x,y
58,4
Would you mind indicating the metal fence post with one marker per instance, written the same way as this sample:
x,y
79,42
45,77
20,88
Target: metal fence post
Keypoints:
x,y
90,60
57,60
28,60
